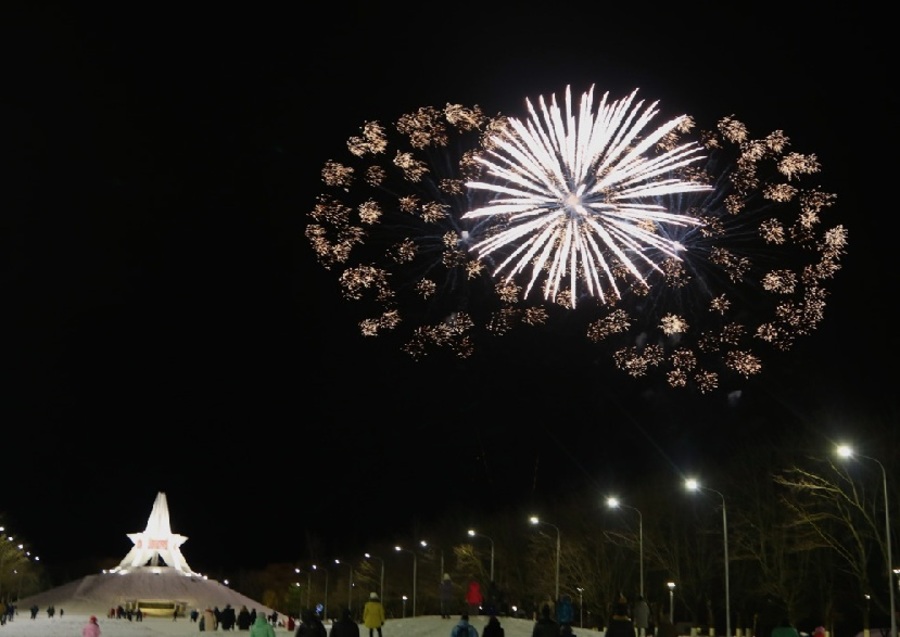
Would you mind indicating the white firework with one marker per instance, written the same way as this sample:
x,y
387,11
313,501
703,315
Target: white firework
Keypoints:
x,y
576,193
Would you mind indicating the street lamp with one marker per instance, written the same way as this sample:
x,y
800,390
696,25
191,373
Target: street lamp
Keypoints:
x,y
693,485
671,586
299,599
613,503
308,583
349,586
535,520
472,533
580,605
441,571
325,603
381,581
415,576
404,606
866,623
846,451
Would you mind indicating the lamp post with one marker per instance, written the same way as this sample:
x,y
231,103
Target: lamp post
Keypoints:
x,y
369,556
580,605
349,585
325,603
671,586
866,624
299,598
404,606
440,572
415,575
472,533
535,520
440,551
846,451
613,503
693,485
308,583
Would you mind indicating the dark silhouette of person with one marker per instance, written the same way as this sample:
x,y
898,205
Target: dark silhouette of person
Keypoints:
x,y
545,626
493,628
345,626
310,625
244,621
620,624
446,596
227,618
665,627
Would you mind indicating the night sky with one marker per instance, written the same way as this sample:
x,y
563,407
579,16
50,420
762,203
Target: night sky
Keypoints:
x,y
167,327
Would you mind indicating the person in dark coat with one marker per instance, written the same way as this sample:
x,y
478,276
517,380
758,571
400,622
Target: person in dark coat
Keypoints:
x,y
665,627
620,624
345,626
310,625
545,626
244,621
493,628
227,618
446,596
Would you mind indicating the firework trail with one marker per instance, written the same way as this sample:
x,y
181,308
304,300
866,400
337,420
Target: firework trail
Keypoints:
x,y
690,255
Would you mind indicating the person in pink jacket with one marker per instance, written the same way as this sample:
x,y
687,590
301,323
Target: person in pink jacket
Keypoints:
x,y
91,629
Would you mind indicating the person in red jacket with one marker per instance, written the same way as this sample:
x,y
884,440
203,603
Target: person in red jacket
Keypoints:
x,y
474,598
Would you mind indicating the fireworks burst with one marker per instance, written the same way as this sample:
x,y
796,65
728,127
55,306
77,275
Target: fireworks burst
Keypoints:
x,y
578,193
752,276
391,221
691,255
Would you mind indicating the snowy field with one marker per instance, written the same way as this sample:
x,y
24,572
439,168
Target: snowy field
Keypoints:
x,y
70,626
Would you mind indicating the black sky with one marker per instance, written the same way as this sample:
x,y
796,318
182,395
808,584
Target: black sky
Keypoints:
x,y
168,329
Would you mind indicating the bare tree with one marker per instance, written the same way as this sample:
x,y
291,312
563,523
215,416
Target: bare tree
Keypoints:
x,y
842,512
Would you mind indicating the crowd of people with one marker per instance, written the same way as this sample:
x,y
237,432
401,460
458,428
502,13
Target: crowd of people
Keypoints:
x,y
556,618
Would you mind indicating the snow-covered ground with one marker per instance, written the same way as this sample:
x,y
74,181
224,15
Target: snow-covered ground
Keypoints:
x,y
71,623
